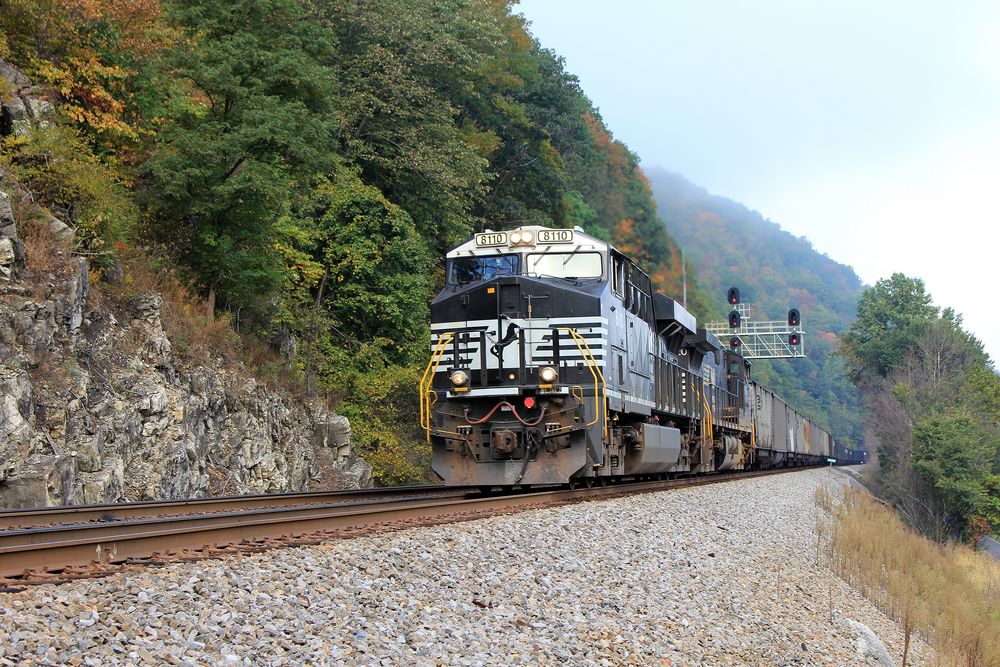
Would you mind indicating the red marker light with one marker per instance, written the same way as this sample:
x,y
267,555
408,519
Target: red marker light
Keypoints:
x,y
529,402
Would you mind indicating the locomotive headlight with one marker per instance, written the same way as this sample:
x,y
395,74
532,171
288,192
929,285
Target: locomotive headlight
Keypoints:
x,y
548,374
522,238
459,378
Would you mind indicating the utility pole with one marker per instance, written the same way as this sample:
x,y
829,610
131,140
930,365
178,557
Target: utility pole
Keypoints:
x,y
760,339
684,280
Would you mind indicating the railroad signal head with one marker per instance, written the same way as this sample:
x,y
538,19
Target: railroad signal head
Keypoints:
x,y
734,320
793,317
735,343
794,338
733,295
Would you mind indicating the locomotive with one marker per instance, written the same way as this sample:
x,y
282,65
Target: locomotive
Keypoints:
x,y
553,361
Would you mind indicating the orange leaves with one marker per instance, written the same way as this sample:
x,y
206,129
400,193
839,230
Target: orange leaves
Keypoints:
x,y
87,51
624,237
663,269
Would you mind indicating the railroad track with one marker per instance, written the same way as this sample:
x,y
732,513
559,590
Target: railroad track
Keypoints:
x,y
105,539
79,514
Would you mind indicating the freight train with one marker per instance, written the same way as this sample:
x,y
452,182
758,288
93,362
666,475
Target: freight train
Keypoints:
x,y
553,361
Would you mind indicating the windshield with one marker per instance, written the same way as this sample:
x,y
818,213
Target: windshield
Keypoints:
x,y
469,269
566,264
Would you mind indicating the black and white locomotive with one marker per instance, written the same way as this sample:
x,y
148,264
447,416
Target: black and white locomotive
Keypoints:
x,y
553,361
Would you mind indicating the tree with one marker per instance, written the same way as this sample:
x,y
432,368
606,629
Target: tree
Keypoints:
x,y
96,55
377,266
395,123
252,122
890,316
930,390
957,455
359,287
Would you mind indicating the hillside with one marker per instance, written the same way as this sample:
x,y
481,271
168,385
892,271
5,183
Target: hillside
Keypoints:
x,y
298,168
729,245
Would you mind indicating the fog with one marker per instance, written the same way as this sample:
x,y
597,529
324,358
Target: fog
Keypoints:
x,y
872,128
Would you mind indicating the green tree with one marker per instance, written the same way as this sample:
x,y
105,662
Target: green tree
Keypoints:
x,y
358,300
376,265
251,120
393,59
957,455
890,316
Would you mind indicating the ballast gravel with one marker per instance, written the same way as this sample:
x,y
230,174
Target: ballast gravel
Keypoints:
x,y
725,574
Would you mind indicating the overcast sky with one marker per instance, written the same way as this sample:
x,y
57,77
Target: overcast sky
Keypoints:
x,y
872,127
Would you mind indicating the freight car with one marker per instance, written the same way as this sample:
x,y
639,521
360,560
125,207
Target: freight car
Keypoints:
x,y
554,361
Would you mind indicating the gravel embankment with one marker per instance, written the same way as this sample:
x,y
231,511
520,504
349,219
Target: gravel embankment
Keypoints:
x,y
718,575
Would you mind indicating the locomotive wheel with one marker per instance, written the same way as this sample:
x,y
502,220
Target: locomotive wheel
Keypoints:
x,y
589,481
603,481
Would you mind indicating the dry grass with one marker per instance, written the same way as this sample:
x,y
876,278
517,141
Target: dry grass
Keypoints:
x,y
182,313
44,253
194,338
949,594
823,498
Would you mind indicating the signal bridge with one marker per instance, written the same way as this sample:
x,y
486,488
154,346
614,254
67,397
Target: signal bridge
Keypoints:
x,y
762,339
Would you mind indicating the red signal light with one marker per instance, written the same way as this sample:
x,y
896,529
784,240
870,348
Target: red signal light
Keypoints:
x,y
793,339
529,402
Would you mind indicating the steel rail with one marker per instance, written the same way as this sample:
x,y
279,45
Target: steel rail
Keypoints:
x,y
56,547
75,514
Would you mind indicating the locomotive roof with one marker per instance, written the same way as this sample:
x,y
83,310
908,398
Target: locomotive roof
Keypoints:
x,y
491,242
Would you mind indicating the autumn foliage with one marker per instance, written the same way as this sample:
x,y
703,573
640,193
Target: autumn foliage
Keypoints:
x,y
90,53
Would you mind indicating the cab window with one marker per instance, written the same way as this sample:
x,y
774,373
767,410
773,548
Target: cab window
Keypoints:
x,y
566,264
470,269
618,276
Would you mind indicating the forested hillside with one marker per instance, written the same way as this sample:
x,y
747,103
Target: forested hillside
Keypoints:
x,y
933,399
731,245
292,171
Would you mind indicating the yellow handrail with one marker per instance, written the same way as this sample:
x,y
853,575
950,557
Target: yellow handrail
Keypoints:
x,y
428,378
708,424
600,386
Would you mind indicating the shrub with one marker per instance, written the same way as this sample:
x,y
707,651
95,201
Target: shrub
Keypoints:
x,y
65,176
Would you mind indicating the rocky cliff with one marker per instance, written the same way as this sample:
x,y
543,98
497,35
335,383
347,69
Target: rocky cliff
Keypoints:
x,y
95,406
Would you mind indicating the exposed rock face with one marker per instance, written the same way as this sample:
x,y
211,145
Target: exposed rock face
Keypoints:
x,y
94,408
23,106
94,405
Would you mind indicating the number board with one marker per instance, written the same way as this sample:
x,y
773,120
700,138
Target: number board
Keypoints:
x,y
490,239
555,235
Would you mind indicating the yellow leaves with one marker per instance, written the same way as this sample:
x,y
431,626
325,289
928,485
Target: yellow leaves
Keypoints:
x,y
484,143
78,47
74,113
